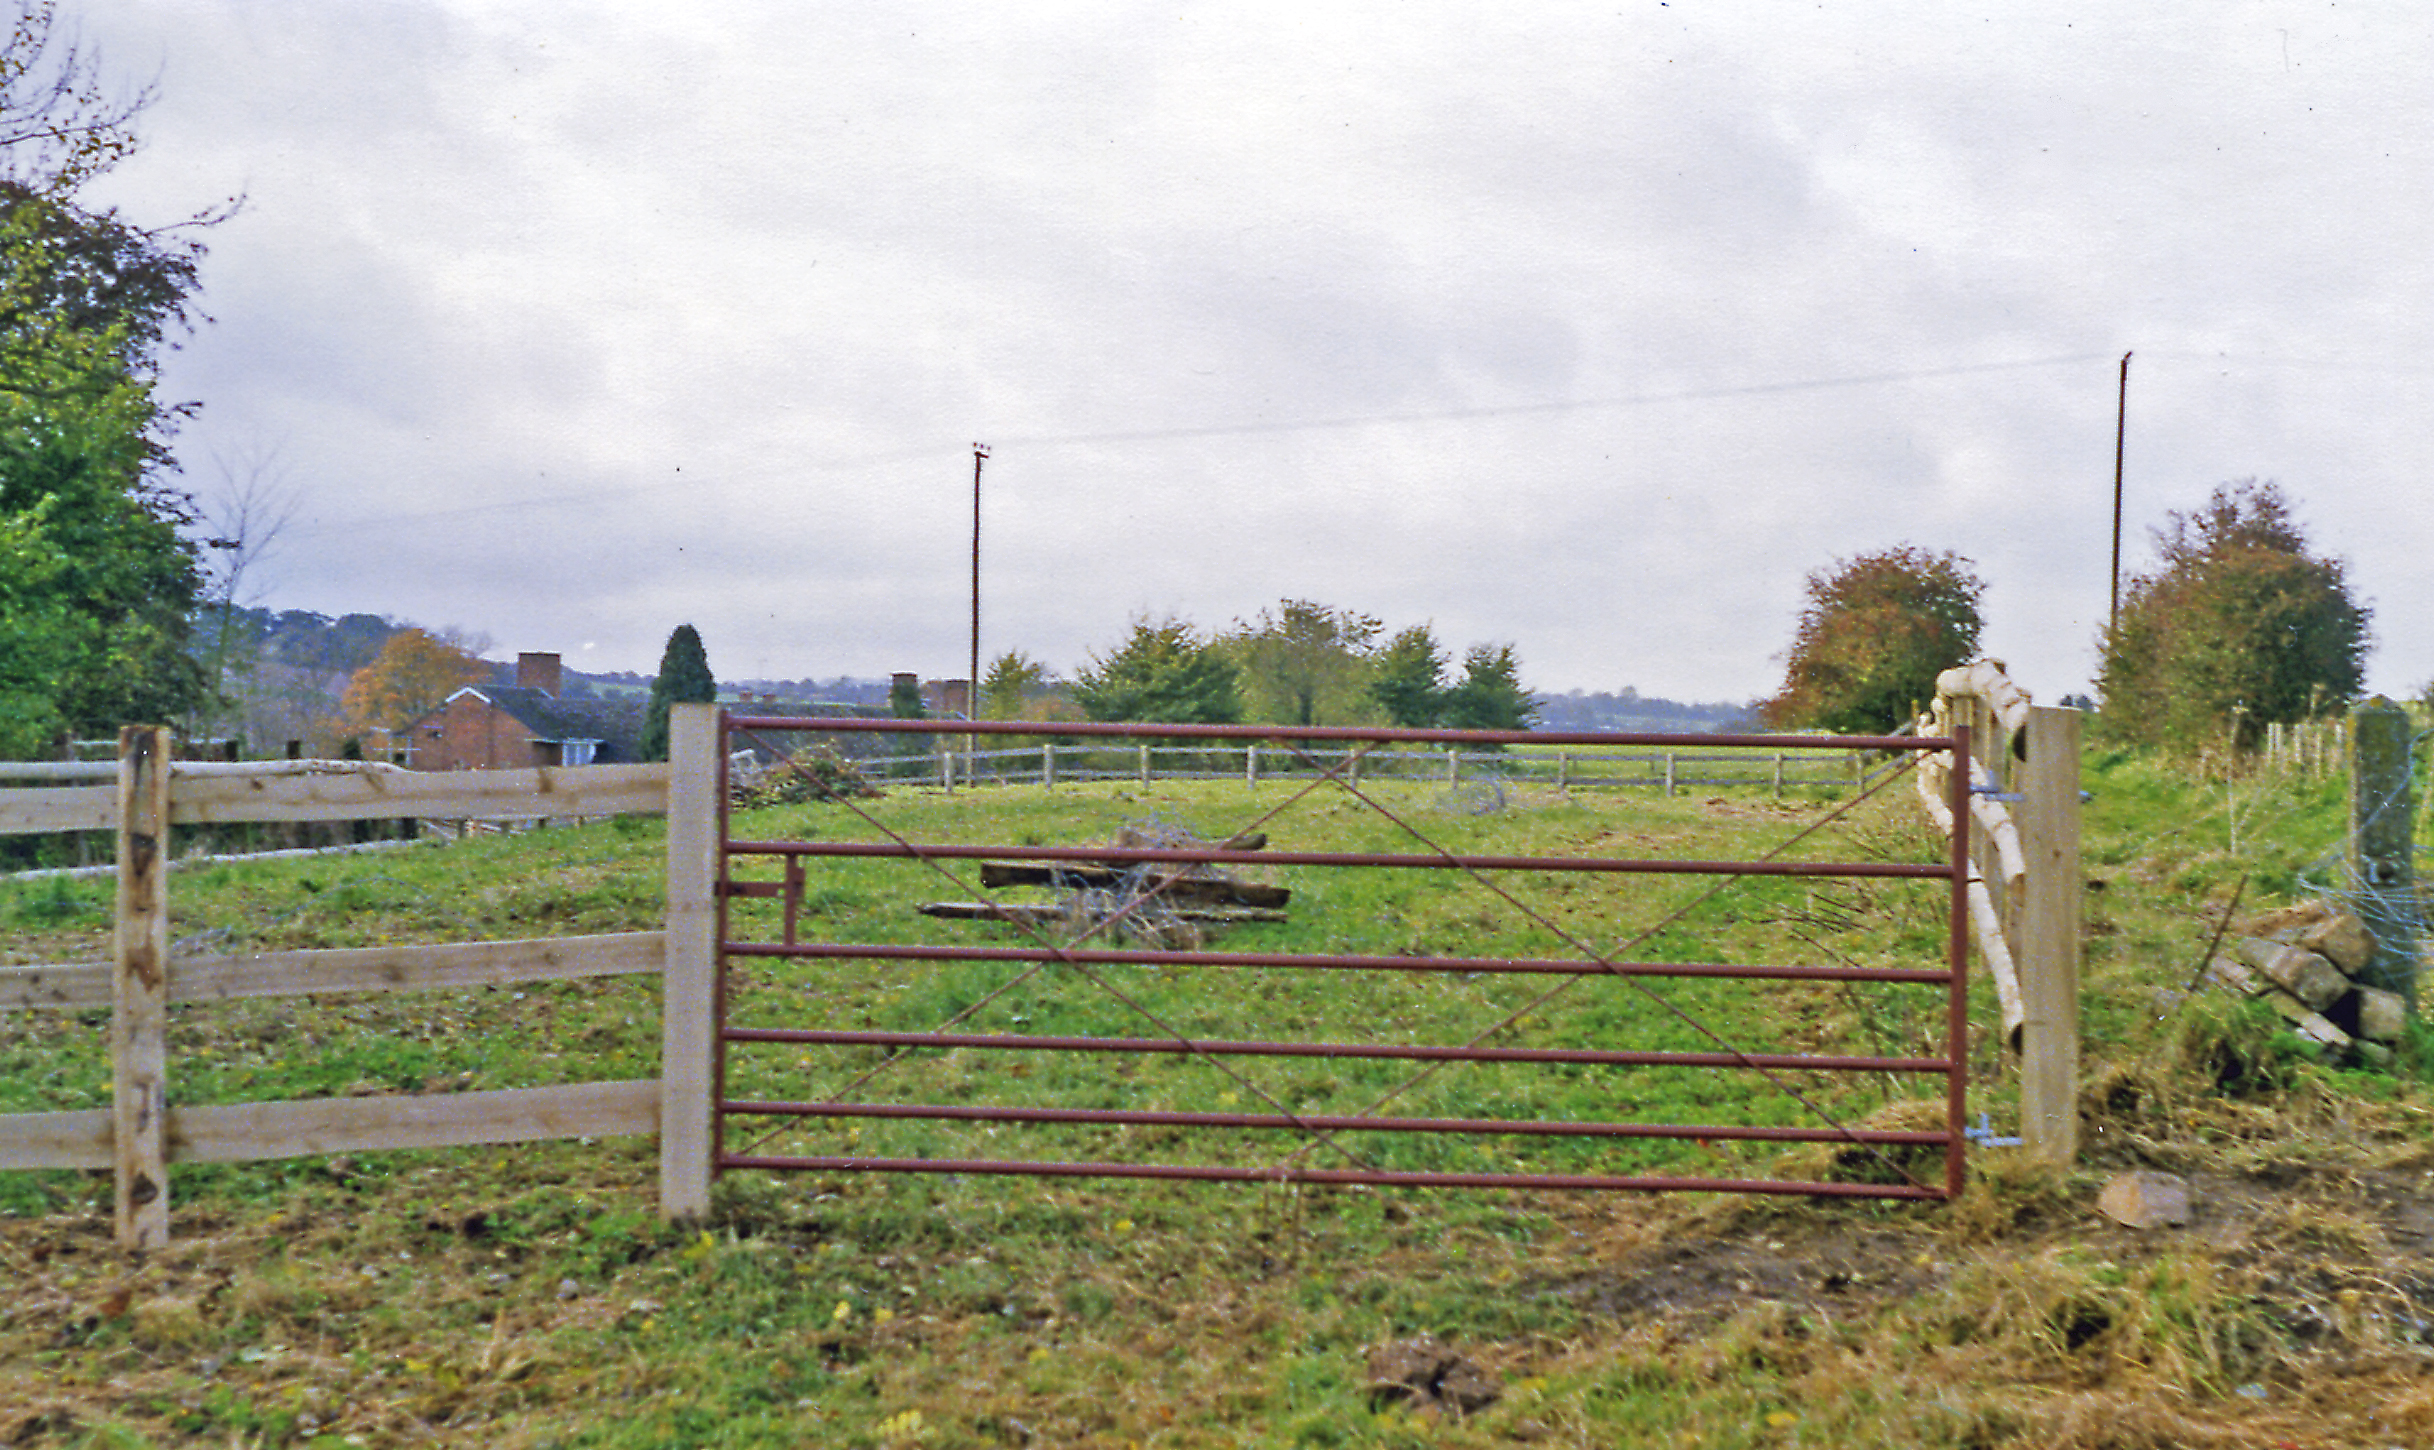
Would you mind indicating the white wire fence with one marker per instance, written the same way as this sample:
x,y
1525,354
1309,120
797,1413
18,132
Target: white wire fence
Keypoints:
x,y
948,765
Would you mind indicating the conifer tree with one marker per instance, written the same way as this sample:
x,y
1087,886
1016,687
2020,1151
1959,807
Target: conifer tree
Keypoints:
x,y
684,679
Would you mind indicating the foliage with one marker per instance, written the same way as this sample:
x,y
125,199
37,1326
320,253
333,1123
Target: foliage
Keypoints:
x,y
1408,681
2237,627
1876,631
817,773
1304,663
904,699
684,679
1013,679
1166,671
102,620
413,675
97,613
1490,695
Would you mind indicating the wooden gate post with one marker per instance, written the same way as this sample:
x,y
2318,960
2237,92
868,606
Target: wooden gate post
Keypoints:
x,y
2049,937
2381,852
139,976
689,984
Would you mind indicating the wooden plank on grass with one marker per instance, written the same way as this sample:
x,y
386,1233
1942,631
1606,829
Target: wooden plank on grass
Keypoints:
x,y
543,791
236,1132
444,966
58,808
79,1139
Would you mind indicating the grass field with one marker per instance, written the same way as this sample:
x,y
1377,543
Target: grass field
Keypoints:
x,y
528,1296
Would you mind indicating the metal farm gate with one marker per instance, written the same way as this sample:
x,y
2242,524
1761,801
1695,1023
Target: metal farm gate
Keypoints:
x,y
1099,1020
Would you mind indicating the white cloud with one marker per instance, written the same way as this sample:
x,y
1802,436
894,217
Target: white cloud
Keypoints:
x,y
581,323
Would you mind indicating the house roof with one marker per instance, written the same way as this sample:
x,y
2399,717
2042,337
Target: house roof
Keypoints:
x,y
615,720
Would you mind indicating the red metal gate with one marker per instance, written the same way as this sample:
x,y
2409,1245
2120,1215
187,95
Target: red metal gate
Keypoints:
x,y
1091,957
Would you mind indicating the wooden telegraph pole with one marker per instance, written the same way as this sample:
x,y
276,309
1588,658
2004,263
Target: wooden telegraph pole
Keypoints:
x,y
2121,428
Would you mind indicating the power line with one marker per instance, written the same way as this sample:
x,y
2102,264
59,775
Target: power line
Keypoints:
x,y
1305,425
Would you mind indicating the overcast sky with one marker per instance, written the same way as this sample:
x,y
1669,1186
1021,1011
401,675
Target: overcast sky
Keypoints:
x,y
1593,330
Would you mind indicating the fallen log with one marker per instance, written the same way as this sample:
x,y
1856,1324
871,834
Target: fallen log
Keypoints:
x,y
1044,914
2300,972
2308,1025
1177,889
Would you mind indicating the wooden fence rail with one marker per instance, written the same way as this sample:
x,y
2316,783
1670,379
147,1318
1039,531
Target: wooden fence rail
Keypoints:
x,y
144,1130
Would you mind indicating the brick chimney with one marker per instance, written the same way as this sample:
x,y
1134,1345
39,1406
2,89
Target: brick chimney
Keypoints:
x,y
539,672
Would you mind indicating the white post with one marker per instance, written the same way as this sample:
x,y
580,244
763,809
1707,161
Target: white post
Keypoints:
x,y
1145,763
1048,764
689,984
1250,762
2049,937
1669,775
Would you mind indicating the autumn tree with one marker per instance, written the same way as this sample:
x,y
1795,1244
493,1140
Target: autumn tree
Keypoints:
x,y
1164,671
684,679
2238,626
1305,663
413,675
1875,633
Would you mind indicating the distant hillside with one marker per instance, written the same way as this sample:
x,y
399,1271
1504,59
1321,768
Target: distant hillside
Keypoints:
x,y
1628,709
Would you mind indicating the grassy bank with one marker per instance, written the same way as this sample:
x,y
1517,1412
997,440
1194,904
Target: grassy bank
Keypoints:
x,y
528,1296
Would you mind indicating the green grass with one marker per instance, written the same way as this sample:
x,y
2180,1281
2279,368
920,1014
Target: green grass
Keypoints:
x,y
527,1295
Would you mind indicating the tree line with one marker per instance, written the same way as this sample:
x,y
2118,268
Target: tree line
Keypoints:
x,y
1299,662
2237,625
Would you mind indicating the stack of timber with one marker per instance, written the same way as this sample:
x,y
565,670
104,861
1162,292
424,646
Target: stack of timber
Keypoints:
x,y
1136,894
2303,961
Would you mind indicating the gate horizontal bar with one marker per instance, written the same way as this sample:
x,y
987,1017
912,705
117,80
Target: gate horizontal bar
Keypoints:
x,y
1110,856
1550,966
1147,730
1150,1118
1376,1177
1393,1051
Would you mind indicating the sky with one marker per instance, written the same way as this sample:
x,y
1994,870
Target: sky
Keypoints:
x,y
1592,330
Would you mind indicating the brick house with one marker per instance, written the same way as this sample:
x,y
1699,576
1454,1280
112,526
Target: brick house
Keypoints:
x,y
501,727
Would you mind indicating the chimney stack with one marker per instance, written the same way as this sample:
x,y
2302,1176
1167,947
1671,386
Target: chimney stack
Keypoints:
x,y
539,672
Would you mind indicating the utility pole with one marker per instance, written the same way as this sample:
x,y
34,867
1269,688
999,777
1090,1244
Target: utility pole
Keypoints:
x,y
971,693
2121,428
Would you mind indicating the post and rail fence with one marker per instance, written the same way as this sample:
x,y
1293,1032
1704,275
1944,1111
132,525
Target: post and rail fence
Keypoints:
x,y
146,1130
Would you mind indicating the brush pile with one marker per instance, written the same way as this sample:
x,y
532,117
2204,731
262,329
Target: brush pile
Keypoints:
x,y
1163,904
2304,961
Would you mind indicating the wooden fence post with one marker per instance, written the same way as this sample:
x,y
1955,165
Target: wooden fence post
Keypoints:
x,y
689,985
1048,764
1250,762
2381,850
1668,775
2049,937
139,1017
1145,763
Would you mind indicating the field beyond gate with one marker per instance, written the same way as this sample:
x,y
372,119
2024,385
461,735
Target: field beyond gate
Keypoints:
x,y
1309,977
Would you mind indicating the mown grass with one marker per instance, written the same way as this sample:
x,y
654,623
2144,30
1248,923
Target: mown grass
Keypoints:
x,y
528,1295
